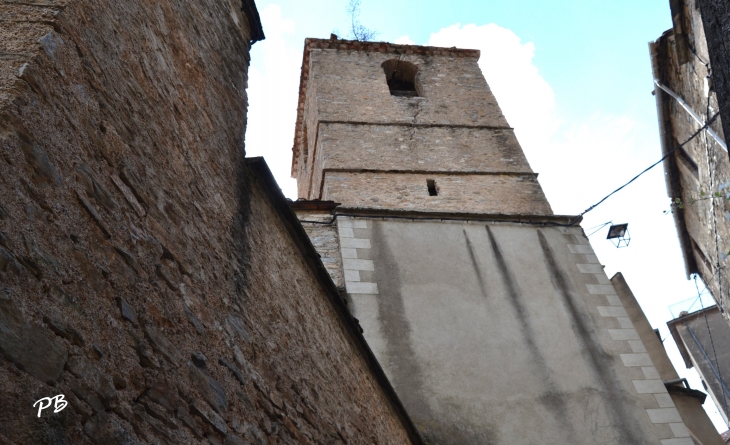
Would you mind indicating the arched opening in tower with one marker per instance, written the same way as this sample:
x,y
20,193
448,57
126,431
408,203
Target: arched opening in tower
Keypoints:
x,y
401,77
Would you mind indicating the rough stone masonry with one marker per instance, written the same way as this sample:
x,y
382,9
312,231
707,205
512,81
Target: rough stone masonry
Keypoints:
x,y
147,272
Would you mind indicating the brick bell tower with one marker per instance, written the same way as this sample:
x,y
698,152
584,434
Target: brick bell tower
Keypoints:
x,y
491,316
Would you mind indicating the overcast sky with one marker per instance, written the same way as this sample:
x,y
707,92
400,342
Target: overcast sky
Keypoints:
x,y
572,77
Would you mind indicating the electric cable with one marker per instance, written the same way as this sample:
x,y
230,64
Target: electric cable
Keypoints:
x,y
575,220
704,127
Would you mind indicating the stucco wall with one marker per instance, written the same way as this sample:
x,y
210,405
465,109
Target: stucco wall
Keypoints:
x,y
145,272
487,328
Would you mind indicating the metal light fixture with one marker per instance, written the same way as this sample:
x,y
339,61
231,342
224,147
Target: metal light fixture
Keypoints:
x,y
619,235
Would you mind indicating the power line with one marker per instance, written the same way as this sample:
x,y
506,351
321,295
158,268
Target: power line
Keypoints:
x,y
704,127
578,218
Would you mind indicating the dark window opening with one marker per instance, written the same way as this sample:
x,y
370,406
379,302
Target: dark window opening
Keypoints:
x,y
401,77
687,161
701,254
432,190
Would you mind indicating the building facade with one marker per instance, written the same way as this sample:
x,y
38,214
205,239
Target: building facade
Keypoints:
x,y
703,339
697,169
491,316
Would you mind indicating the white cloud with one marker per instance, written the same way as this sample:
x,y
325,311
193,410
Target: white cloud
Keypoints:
x,y
404,40
272,96
526,99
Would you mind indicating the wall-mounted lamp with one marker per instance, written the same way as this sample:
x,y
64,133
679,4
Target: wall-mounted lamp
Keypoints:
x,y
619,235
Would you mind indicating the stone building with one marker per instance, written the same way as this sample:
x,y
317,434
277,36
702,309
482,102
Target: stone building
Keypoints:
x,y
149,274
703,339
491,316
697,171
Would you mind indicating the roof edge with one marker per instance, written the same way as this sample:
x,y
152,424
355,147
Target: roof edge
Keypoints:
x,y
537,219
257,31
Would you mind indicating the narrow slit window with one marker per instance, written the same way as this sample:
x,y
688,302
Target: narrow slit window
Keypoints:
x,y
432,190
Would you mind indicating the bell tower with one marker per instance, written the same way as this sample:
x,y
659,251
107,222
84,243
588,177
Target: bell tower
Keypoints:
x,y
416,130
491,316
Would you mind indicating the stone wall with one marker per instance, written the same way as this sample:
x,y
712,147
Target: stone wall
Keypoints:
x,y
420,149
495,194
146,272
701,168
322,231
348,119
716,21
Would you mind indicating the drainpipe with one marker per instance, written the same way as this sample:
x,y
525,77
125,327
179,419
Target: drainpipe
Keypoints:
x,y
691,112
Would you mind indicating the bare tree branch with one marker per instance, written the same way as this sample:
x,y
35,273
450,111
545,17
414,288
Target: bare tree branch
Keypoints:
x,y
358,31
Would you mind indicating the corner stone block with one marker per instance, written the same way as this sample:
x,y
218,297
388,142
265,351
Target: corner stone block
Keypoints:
x,y
355,264
612,311
664,415
590,268
582,249
649,386
636,360
623,334
601,289
679,430
355,243
355,287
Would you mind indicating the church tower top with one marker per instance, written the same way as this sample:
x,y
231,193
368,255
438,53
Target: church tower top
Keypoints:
x,y
406,127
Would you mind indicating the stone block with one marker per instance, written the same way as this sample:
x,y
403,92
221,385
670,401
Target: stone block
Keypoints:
x,y
582,249
664,400
160,343
355,243
649,386
239,327
612,311
65,331
209,416
211,391
664,415
29,347
355,264
601,289
127,311
103,429
636,360
357,287
623,334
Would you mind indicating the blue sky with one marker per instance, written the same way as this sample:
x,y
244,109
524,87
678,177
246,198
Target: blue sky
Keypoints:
x,y
572,77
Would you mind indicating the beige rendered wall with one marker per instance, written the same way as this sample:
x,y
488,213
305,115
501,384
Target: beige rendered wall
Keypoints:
x,y
484,328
